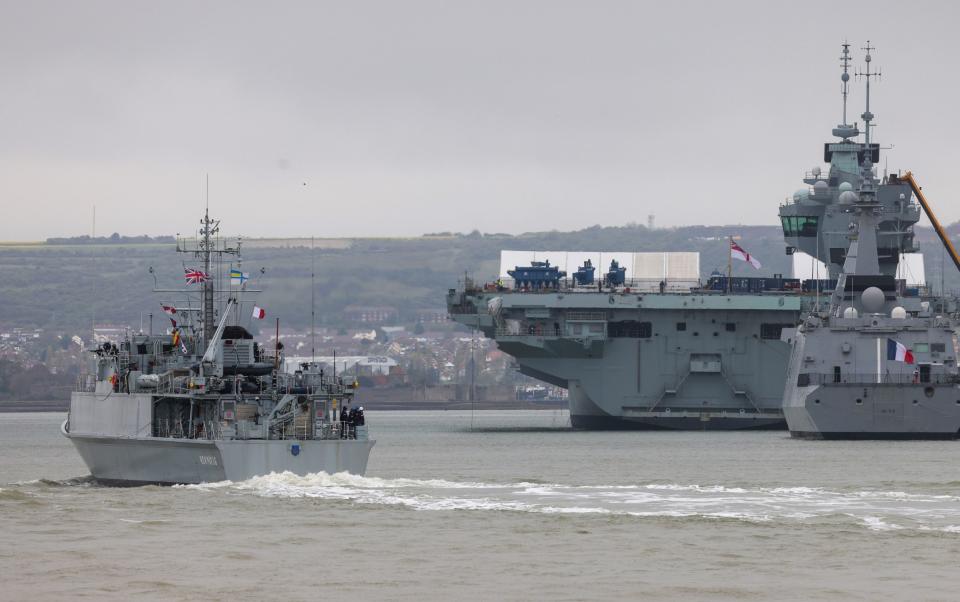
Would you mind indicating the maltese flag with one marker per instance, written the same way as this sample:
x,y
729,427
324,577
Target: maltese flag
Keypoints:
x,y
737,252
258,313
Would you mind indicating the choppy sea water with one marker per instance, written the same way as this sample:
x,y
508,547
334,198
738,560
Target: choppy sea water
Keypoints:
x,y
497,505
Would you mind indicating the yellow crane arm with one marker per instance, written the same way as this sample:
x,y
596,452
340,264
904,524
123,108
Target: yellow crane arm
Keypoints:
x,y
908,177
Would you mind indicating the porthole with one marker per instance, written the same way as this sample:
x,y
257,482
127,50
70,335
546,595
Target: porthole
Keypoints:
x,y
915,402
859,402
816,401
928,391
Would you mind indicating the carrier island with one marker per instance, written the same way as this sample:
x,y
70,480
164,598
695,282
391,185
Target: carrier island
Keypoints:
x,y
202,401
662,351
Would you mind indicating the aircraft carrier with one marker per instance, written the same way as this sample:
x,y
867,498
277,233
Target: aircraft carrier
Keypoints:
x,y
651,350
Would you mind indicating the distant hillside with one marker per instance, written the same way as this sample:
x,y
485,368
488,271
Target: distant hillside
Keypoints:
x,y
113,239
67,286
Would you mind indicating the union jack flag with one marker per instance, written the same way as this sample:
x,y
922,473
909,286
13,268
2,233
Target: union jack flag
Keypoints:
x,y
193,276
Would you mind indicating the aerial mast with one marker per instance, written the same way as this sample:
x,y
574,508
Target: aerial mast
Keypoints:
x,y
210,227
845,130
867,115
867,188
845,78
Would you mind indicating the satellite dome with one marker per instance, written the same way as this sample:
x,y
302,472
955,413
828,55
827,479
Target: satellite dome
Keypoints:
x,y
850,312
801,195
848,197
820,188
816,171
872,300
845,186
898,313
845,77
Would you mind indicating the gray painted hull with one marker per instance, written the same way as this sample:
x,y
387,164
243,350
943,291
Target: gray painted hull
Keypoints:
x,y
128,460
698,377
873,412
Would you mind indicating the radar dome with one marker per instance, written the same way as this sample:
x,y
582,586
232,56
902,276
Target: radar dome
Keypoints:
x,y
820,187
816,171
872,300
845,187
848,197
850,312
801,195
898,313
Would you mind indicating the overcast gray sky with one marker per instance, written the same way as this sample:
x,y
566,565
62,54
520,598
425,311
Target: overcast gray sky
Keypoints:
x,y
398,118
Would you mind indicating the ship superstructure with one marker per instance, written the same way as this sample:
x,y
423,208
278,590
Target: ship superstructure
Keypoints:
x,y
205,402
641,354
875,364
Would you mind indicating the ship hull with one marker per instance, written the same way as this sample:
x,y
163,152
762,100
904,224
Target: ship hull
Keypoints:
x,y
155,460
678,423
900,412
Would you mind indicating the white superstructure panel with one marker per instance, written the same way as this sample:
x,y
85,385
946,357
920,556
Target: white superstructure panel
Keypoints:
x,y
808,267
911,269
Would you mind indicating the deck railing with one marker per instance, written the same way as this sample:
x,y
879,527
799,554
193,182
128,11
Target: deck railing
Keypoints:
x,y
828,378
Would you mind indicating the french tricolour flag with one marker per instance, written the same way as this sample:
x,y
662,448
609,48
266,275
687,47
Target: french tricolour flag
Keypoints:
x,y
898,352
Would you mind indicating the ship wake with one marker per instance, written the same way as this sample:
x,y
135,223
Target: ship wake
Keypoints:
x,y
876,510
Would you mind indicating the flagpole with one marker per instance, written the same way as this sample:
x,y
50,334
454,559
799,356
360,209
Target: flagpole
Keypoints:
x,y
730,264
276,349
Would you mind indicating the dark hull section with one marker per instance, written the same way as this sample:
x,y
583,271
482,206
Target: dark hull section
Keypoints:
x,y
812,435
610,423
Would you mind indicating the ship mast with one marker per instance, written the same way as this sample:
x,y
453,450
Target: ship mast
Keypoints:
x,y
867,184
845,130
210,227
845,78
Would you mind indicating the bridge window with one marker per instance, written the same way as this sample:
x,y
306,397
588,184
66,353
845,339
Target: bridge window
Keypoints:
x,y
731,327
800,225
681,326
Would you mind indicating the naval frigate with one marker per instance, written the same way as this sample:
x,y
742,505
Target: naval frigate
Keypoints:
x,y
636,354
876,364
205,402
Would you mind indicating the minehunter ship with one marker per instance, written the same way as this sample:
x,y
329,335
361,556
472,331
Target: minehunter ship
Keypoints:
x,y
206,402
639,353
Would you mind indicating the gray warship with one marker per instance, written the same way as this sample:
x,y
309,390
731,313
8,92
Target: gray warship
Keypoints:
x,y
651,353
877,364
205,402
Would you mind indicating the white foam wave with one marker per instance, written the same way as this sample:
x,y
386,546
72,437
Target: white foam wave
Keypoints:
x,y
875,509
